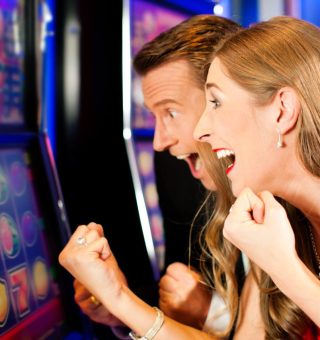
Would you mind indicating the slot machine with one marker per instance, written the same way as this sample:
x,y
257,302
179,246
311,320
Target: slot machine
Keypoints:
x,y
35,293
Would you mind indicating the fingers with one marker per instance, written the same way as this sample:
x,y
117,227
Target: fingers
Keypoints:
x,y
249,205
97,227
269,200
82,295
181,272
167,284
91,233
80,292
177,269
247,211
87,231
98,245
85,239
273,209
178,279
81,231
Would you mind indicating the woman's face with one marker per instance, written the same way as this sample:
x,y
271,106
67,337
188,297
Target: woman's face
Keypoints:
x,y
233,123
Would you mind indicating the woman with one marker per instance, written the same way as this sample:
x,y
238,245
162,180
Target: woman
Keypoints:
x,y
263,91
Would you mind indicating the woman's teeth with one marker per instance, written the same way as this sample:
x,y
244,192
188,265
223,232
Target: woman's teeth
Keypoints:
x,y
224,153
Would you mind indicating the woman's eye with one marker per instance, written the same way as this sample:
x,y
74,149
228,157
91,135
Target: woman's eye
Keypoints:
x,y
215,103
173,114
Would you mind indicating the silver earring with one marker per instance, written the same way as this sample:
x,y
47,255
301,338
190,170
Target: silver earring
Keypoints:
x,y
279,142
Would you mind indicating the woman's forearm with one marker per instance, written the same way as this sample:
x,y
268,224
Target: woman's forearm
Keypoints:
x,y
301,286
140,317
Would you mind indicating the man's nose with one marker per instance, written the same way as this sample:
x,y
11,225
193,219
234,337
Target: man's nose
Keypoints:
x,y
162,139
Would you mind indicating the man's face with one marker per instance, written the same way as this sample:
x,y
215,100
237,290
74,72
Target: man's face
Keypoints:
x,y
173,96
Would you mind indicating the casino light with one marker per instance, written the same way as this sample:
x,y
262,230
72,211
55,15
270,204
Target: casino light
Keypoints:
x,y
217,8
127,133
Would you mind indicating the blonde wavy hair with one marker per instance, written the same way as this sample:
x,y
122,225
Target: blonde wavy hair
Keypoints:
x,y
222,255
283,51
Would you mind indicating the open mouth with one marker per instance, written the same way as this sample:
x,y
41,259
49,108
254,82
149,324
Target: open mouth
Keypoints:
x,y
227,157
194,163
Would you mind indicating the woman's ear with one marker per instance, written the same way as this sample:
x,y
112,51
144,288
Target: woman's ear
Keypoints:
x,y
289,109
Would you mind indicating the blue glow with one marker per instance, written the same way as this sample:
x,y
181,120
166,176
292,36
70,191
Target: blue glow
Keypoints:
x,y
249,12
310,11
198,6
48,123
195,7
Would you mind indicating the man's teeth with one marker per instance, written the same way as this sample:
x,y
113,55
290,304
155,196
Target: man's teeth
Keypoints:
x,y
183,156
194,158
224,153
197,164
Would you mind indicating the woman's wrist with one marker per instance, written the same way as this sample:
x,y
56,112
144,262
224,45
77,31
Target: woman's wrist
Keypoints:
x,y
153,330
295,279
113,301
286,271
134,312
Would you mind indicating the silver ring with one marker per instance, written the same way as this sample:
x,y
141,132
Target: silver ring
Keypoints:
x,y
81,240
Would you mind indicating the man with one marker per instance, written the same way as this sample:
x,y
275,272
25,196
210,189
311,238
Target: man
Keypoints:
x,y
172,70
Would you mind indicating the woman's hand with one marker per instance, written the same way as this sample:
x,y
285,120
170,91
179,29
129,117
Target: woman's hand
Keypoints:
x,y
258,225
88,257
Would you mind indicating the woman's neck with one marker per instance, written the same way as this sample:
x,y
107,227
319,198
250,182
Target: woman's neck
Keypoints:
x,y
303,192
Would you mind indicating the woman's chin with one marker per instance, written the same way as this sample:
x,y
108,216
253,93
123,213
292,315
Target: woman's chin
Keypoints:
x,y
236,189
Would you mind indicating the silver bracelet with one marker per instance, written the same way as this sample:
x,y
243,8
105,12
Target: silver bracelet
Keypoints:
x,y
153,330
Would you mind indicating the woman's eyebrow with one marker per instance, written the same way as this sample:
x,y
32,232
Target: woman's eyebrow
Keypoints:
x,y
210,85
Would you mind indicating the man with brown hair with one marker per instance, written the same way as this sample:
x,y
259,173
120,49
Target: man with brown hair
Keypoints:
x,y
172,70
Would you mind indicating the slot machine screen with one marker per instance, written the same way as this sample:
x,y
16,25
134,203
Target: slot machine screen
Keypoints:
x,y
36,298
12,56
31,300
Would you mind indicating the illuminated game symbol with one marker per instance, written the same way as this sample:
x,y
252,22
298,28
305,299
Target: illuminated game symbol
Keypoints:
x,y
20,290
4,303
146,162
151,195
9,237
3,187
157,227
41,278
29,227
18,177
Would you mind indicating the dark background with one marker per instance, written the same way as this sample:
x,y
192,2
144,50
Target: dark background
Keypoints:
x,y
91,156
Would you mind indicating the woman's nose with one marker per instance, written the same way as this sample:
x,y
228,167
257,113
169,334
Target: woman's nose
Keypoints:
x,y
202,131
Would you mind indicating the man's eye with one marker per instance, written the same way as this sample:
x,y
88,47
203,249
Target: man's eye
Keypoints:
x,y
215,103
173,114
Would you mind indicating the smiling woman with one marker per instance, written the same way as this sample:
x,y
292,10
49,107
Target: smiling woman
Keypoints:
x,y
262,104
233,116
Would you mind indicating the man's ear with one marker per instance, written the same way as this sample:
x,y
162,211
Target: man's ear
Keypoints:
x,y
290,109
